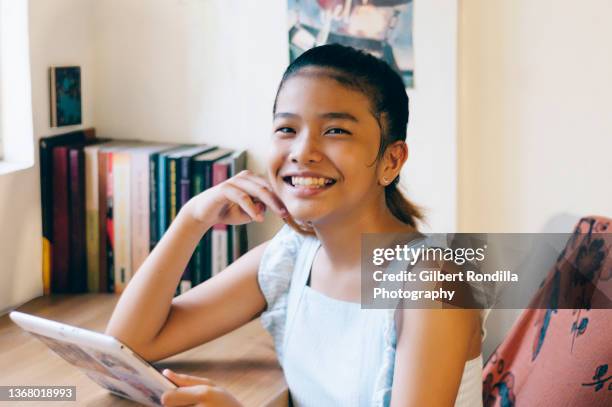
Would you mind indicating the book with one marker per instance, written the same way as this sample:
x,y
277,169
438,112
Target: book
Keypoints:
x,y
219,236
154,233
180,163
60,274
105,213
46,146
92,220
68,260
76,192
140,186
65,95
238,240
163,191
121,218
202,180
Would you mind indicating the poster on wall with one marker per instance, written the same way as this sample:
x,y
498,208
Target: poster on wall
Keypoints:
x,y
65,95
381,27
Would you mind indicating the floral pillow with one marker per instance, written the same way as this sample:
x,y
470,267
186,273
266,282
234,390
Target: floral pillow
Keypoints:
x,y
559,351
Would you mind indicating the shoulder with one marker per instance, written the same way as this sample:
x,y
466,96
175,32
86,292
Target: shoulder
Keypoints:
x,y
274,278
277,264
280,253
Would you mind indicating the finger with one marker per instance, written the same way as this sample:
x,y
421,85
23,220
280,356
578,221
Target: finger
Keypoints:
x,y
186,380
264,183
242,199
260,190
185,396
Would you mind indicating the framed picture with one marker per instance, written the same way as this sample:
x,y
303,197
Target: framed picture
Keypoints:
x,y
65,95
380,27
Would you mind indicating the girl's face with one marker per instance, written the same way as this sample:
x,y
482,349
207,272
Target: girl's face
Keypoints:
x,y
324,146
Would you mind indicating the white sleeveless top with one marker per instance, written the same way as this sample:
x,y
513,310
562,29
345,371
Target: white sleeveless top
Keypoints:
x,y
333,353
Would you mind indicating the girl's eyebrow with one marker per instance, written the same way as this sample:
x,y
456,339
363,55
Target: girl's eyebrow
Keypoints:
x,y
285,114
339,115
329,115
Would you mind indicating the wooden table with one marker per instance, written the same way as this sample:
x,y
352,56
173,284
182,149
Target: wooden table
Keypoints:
x,y
243,361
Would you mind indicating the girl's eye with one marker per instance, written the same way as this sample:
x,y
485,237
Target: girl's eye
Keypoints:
x,y
337,130
285,130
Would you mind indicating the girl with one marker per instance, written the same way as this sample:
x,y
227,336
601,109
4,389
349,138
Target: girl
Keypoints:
x,y
338,145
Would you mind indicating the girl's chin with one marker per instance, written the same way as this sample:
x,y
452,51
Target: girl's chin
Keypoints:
x,y
304,217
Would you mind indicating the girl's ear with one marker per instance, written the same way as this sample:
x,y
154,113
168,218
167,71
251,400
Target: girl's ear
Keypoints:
x,y
393,159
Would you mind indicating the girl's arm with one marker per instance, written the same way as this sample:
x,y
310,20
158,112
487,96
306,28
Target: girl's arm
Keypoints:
x,y
432,348
154,324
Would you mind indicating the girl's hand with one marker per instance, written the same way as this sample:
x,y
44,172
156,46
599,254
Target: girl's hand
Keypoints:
x,y
240,199
196,391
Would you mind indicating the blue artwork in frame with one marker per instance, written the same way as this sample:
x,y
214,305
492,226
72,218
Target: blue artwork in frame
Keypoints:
x,y
65,84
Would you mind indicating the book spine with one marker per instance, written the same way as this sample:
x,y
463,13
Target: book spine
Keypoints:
x,y
46,196
197,186
207,244
153,202
238,232
78,264
92,219
184,193
162,195
102,211
172,183
140,209
61,226
219,231
122,223
110,233
185,181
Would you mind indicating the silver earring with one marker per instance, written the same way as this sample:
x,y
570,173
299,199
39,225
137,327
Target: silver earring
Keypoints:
x,y
385,181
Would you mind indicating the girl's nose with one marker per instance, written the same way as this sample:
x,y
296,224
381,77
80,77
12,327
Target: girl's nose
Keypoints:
x,y
305,150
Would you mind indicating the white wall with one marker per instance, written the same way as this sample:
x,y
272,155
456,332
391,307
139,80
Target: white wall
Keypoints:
x,y
207,71
60,33
430,173
535,117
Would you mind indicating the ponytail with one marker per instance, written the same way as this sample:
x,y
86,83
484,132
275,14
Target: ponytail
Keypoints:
x,y
400,206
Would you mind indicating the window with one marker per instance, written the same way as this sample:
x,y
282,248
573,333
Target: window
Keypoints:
x,y
16,128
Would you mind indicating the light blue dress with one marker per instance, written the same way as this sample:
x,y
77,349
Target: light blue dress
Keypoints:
x,y
332,352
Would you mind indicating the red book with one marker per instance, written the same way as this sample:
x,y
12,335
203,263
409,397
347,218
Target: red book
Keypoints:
x,y
220,244
76,193
60,259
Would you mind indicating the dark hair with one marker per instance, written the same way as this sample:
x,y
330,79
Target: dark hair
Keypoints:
x,y
389,105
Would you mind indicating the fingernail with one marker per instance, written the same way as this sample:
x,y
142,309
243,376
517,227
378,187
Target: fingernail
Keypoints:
x,y
166,371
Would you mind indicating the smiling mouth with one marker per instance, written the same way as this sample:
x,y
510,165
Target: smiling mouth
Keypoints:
x,y
309,182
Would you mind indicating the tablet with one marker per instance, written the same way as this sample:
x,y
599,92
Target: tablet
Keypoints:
x,y
101,357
